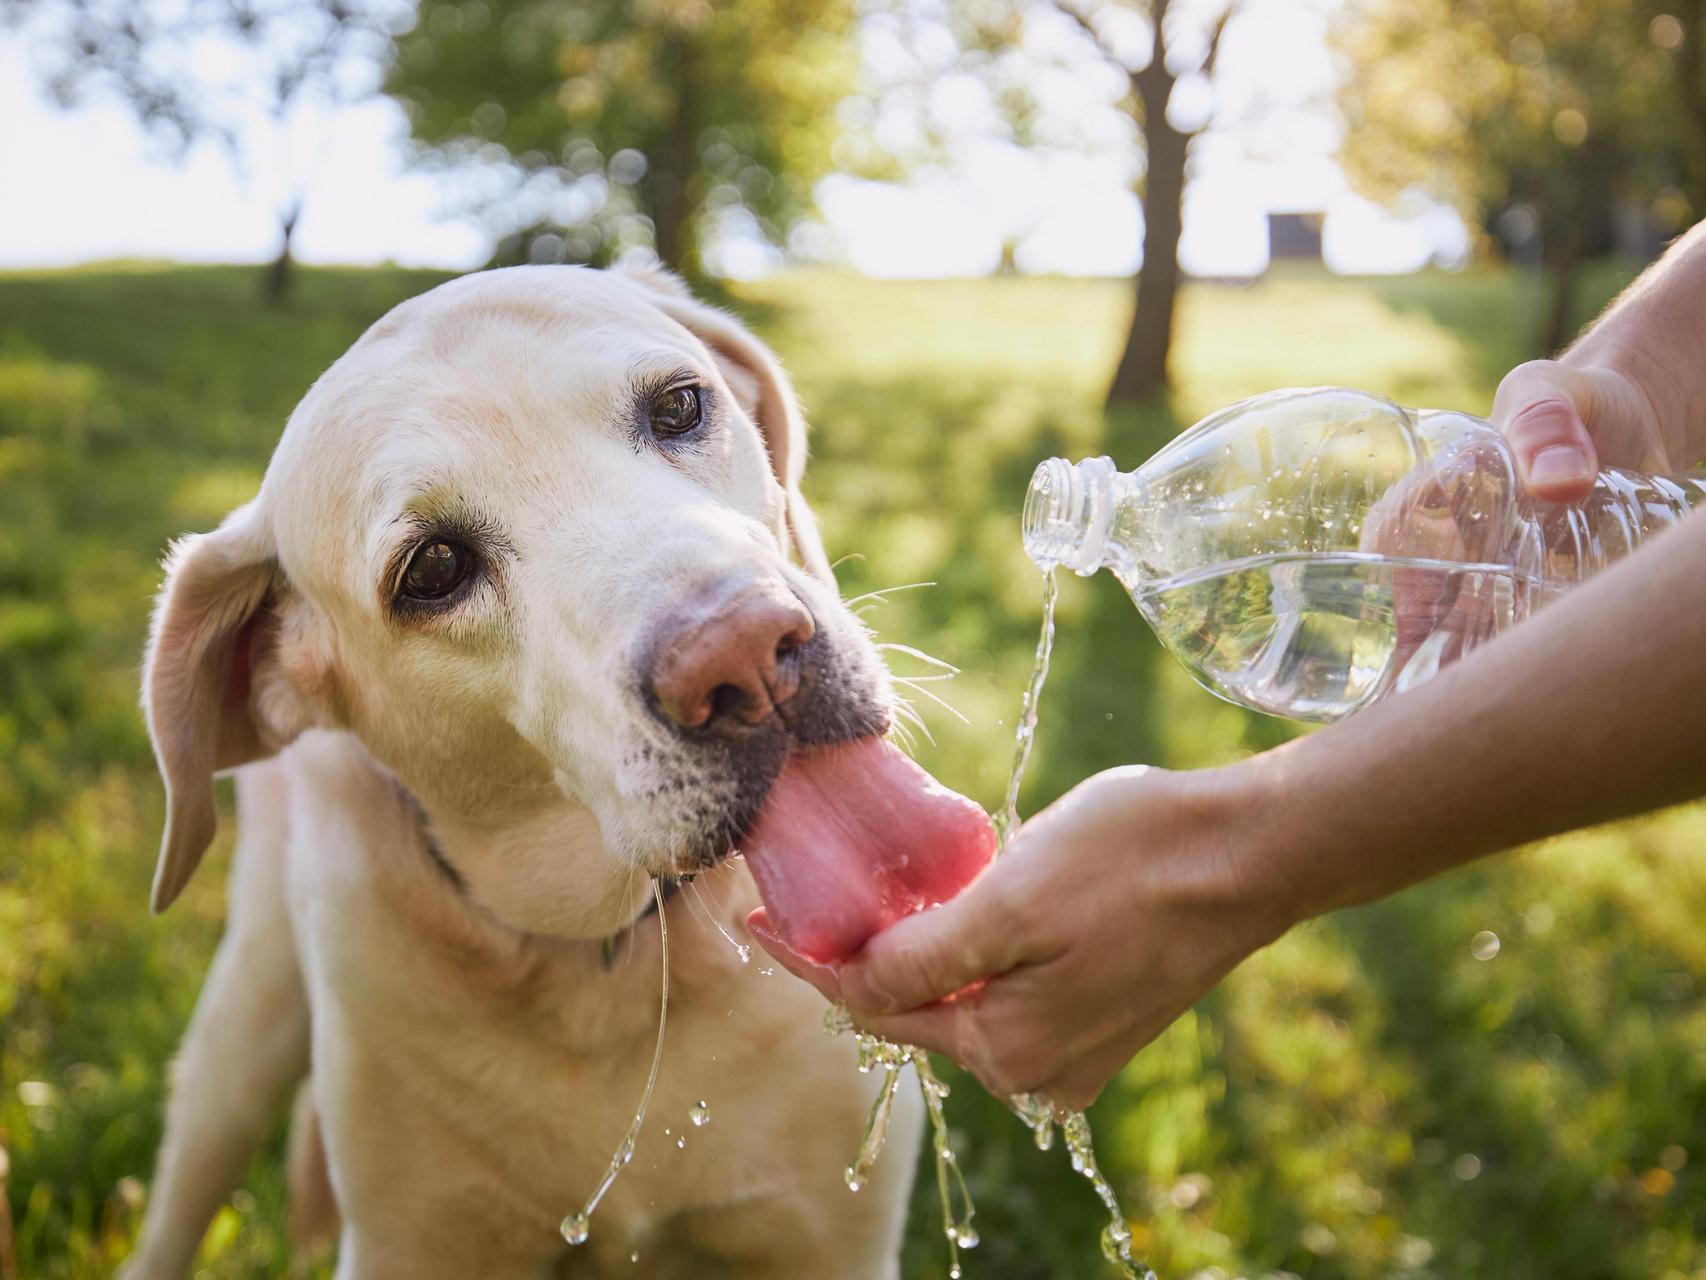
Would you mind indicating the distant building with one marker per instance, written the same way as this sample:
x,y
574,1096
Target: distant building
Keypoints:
x,y
1295,236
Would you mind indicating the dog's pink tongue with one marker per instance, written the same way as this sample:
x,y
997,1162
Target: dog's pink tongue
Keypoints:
x,y
852,838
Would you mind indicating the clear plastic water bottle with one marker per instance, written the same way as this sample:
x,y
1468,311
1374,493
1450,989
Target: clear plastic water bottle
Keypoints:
x,y
1307,552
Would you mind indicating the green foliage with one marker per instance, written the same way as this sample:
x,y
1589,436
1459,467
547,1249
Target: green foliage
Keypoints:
x,y
1364,1099
1567,105
688,116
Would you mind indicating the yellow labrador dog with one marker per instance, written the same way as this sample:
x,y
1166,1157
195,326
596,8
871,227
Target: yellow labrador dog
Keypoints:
x,y
511,629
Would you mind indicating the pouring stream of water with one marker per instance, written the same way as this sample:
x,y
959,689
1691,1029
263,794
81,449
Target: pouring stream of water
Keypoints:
x,y
1038,1114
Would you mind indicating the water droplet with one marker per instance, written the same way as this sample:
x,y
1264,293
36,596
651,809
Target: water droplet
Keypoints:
x,y
1466,1168
699,1114
1484,945
767,971
634,1256
681,1144
575,1228
743,951
852,1177
1116,1244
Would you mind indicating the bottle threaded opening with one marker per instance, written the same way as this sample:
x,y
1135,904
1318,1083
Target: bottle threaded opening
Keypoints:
x,y
1049,530
1068,509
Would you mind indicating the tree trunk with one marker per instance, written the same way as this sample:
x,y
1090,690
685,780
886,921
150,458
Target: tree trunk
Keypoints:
x,y
671,171
1561,256
1691,69
1142,370
275,285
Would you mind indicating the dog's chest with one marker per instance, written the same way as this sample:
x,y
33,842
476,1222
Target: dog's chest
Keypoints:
x,y
512,1077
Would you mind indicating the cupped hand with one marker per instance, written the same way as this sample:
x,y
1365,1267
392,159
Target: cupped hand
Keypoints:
x,y
1112,912
1565,423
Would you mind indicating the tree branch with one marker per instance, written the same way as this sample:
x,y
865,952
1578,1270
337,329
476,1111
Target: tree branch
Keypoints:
x,y
1089,29
1219,30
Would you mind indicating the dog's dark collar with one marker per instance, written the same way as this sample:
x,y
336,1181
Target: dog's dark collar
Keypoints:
x,y
607,948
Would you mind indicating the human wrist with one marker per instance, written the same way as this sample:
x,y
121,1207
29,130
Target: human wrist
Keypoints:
x,y
1249,869
1312,837
1643,384
1648,347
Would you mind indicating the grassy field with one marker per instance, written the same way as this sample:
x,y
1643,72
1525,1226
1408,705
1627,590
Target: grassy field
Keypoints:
x,y
1365,1099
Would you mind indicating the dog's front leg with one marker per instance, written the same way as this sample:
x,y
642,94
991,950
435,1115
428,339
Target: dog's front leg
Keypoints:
x,y
246,1044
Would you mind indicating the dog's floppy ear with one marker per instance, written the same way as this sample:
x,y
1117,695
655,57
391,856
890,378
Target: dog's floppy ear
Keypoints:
x,y
757,380
210,621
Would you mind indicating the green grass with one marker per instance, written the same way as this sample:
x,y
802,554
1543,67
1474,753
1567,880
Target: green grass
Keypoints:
x,y
1318,1115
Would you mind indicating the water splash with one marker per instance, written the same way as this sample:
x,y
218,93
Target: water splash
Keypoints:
x,y
700,1114
576,1227
741,949
875,1053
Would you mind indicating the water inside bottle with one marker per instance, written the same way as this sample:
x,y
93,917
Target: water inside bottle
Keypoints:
x,y
1316,637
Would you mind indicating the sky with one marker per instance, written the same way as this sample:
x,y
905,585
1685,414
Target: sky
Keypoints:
x,y
87,184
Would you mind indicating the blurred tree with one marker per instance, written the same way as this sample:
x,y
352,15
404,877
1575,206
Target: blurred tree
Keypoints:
x,y
234,73
606,124
1683,31
1155,45
1544,116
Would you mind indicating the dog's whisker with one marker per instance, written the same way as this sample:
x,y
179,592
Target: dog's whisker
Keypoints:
x,y
881,594
949,707
634,875
691,893
909,713
891,646
902,735
741,949
851,555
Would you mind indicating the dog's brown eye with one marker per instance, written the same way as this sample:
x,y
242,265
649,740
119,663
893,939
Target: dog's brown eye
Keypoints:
x,y
436,569
677,411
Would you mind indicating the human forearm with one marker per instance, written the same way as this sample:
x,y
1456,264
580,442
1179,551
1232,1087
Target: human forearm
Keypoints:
x,y
1593,710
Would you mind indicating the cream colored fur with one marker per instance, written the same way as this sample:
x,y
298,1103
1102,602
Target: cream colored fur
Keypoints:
x,y
473,1062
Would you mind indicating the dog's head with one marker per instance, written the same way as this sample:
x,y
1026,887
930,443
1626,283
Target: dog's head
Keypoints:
x,y
529,539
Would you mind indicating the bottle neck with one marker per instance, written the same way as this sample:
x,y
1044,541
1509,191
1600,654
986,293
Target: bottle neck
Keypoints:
x,y
1069,509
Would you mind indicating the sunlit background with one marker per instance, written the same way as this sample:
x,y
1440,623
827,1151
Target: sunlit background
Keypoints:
x,y
972,192
978,233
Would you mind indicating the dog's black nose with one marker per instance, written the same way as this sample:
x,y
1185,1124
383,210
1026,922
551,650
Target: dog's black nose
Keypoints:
x,y
727,659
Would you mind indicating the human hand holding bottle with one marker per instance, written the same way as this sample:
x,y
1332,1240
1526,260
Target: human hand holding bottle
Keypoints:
x,y
1629,393
1126,901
